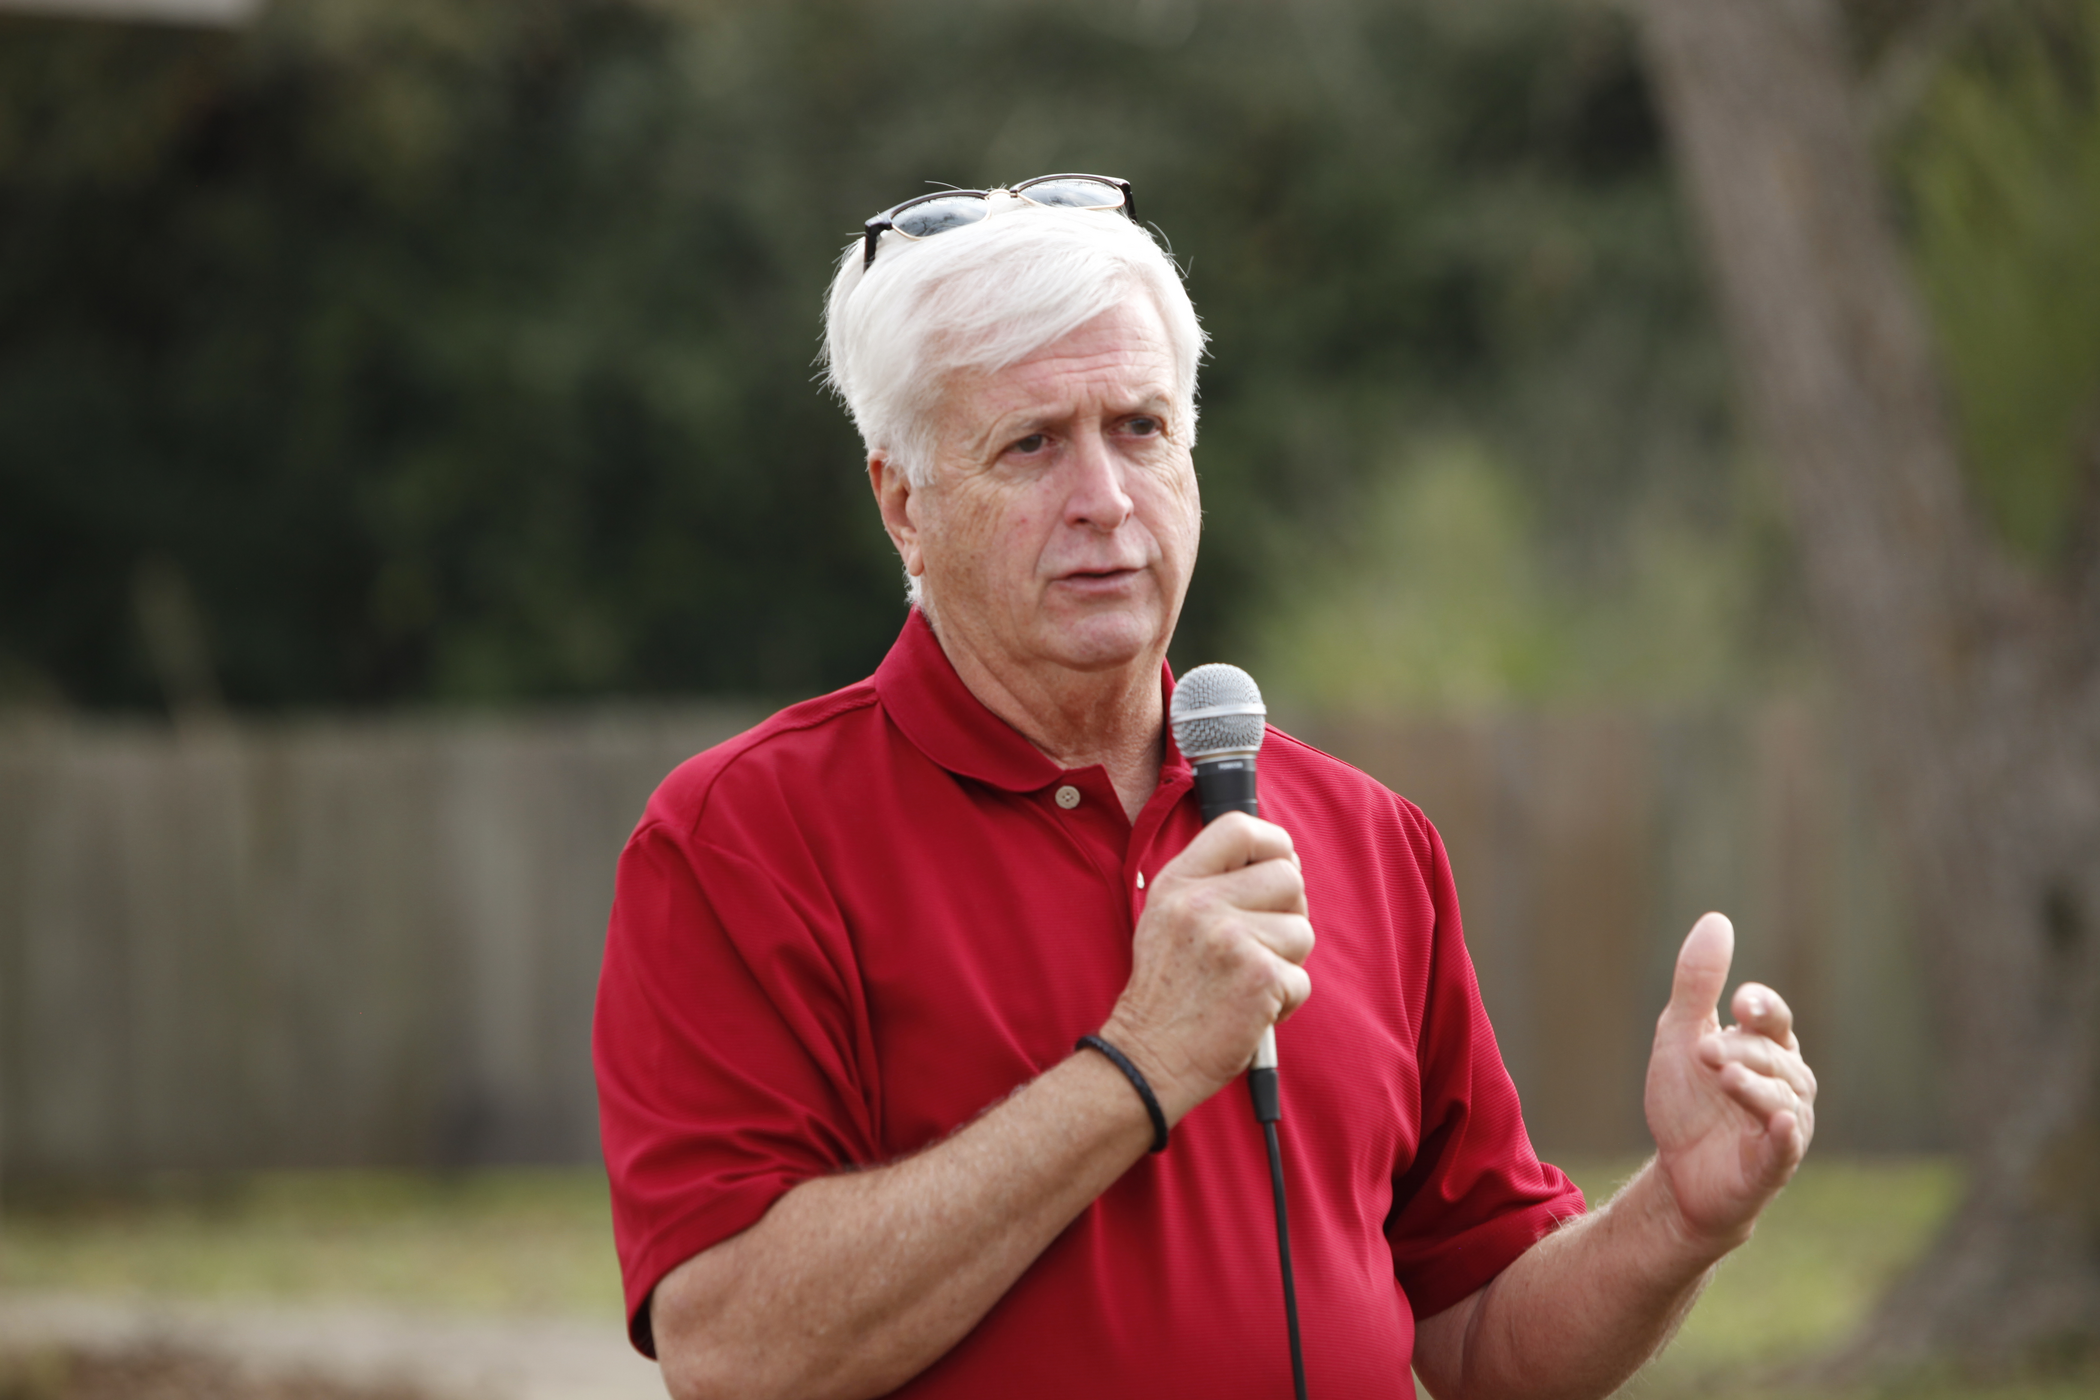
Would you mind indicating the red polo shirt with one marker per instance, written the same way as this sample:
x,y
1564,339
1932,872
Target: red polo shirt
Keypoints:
x,y
843,934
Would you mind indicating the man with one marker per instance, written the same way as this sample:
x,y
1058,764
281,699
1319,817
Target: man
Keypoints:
x,y
852,1147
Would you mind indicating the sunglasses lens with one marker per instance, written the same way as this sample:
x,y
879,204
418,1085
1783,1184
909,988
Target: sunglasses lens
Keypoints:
x,y
1074,194
940,215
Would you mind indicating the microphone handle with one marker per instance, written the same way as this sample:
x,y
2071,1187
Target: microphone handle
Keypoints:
x,y
1226,785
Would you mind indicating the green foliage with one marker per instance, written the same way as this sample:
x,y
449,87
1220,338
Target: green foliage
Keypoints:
x,y
2001,173
1437,602
431,349
1440,598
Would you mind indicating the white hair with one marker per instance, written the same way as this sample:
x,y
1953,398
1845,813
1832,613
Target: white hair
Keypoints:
x,y
983,297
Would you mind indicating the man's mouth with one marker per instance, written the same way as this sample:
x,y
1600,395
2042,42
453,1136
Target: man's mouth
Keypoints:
x,y
1107,575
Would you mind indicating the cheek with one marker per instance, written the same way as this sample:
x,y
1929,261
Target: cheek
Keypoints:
x,y
1176,515
994,533
1004,534
1017,526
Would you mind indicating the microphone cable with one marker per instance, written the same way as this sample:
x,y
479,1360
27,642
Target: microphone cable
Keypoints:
x,y
1267,1094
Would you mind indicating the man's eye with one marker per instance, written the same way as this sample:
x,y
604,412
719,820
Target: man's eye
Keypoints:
x,y
1145,426
1028,446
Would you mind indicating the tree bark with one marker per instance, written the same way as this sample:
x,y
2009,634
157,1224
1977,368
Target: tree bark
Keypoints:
x,y
1971,679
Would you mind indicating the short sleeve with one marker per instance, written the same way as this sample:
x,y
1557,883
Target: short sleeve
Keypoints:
x,y
1476,1195
730,1045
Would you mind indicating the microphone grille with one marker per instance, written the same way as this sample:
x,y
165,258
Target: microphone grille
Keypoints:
x,y
1217,709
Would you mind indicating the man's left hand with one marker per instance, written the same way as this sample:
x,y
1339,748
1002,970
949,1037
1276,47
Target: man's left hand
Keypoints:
x,y
1732,1110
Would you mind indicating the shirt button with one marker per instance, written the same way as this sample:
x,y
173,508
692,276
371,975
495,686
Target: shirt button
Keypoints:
x,y
1141,879
1068,797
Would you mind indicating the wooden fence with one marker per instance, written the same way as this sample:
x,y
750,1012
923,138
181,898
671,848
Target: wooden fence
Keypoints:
x,y
375,942
311,944
1586,845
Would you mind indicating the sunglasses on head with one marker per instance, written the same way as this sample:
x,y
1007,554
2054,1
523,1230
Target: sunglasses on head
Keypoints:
x,y
942,210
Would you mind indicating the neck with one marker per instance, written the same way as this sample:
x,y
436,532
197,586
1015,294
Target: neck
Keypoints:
x,y
1111,717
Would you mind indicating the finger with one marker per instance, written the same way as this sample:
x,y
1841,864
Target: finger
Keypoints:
x,y
1756,1053
1758,1008
1296,985
1762,1096
1784,1142
1273,885
1230,842
1289,936
1702,971
1780,1150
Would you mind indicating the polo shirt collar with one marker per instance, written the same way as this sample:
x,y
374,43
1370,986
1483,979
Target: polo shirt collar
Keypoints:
x,y
927,700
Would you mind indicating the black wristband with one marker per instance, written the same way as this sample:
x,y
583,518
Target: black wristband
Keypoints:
x,y
1136,1077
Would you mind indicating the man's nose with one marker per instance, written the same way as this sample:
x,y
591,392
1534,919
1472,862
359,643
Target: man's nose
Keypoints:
x,y
1094,495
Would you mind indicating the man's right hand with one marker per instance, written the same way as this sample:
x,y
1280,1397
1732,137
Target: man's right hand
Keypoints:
x,y
1218,958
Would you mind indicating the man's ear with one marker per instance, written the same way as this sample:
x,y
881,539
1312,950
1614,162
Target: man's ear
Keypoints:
x,y
898,500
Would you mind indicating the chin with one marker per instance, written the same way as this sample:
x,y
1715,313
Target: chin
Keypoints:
x,y
1105,643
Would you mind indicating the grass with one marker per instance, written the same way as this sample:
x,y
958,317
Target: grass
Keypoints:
x,y
1822,1255
540,1243
515,1241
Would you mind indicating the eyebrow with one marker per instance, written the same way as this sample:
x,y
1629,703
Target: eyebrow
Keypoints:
x,y
1009,426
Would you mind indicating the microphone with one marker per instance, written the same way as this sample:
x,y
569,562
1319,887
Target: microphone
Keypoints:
x,y
1218,721
1217,716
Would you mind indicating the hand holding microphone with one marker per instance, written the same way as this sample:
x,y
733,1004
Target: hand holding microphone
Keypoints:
x,y
1215,961
1219,951
1219,721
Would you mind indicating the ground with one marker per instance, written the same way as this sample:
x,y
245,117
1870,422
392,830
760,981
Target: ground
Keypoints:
x,y
163,1373
318,1286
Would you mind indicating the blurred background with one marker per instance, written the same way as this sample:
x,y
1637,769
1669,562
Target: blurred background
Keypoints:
x,y
411,448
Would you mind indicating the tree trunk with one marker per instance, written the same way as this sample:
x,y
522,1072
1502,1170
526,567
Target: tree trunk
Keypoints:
x,y
1972,680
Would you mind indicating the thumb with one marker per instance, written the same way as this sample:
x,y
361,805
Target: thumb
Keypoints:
x,y
1702,971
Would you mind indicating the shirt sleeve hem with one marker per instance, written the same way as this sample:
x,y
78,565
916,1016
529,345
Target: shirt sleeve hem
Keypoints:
x,y
728,1213
1467,1263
